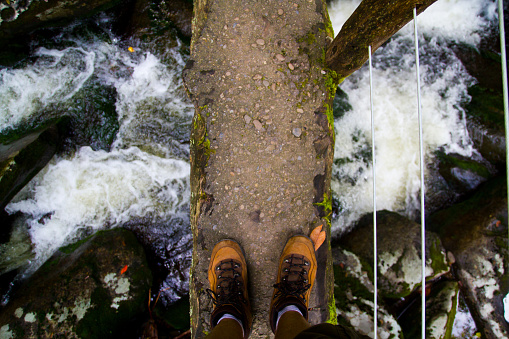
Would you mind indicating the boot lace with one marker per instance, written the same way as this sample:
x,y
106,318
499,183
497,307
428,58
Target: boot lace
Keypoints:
x,y
294,280
230,287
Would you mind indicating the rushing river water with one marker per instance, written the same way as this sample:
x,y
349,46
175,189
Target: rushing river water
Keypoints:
x,y
142,181
444,83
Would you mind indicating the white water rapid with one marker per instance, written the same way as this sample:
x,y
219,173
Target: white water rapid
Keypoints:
x,y
444,83
142,180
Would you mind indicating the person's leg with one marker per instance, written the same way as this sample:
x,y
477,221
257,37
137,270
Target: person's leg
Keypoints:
x,y
226,329
295,279
290,324
231,317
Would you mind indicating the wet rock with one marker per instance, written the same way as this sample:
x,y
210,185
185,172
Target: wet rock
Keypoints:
x,y
353,294
399,262
462,174
485,123
99,126
441,305
475,231
26,16
166,15
91,289
22,159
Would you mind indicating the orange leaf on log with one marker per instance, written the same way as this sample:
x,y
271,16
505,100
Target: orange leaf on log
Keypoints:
x,y
318,237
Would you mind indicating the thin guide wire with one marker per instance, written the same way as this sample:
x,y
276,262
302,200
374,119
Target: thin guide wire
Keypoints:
x,y
421,154
375,251
504,84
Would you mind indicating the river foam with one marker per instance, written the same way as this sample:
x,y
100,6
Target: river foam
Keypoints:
x,y
55,77
444,83
97,189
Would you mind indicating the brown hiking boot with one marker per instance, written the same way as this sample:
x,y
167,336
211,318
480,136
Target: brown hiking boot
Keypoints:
x,y
228,284
295,278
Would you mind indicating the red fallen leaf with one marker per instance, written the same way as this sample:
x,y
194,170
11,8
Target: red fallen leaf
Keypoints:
x,y
498,223
318,237
122,271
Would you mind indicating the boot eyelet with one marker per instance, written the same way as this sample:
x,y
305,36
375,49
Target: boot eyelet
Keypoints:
x,y
306,263
219,277
218,267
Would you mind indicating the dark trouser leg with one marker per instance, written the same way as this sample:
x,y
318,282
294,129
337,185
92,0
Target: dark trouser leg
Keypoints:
x,y
290,324
226,329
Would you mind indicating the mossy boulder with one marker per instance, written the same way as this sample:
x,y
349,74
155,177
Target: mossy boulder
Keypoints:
x,y
441,304
353,295
91,289
399,252
475,231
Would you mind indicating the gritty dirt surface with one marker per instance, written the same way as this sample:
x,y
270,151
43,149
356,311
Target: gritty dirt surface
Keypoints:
x,y
261,144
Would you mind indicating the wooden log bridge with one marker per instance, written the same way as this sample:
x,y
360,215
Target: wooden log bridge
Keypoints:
x,y
261,144
262,137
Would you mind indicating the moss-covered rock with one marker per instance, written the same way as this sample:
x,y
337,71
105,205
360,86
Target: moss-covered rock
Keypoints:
x,y
475,231
87,290
353,293
399,262
441,306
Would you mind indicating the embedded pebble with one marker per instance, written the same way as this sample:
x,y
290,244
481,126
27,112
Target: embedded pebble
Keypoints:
x,y
300,110
291,67
260,42
228,73
266,83
297,132
257,77
247,119
280,57
258,125
280,11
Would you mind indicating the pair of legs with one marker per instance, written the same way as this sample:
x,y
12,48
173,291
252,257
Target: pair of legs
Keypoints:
x,y
231,317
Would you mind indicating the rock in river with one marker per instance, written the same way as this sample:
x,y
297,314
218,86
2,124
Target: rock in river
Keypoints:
x,y
399,252
475,231
91,289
